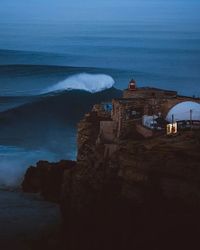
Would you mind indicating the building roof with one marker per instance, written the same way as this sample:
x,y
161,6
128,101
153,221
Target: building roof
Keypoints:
x,y
184,111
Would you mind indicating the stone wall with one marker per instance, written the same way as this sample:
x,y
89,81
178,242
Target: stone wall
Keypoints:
x,y
145,132
149,93
170,103
107,131
110,149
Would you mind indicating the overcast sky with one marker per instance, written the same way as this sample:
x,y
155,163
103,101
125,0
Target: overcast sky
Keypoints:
x,y
92,10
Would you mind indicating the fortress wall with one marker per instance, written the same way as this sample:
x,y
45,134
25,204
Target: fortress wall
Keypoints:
x,y
148,93
145,132
144,102
170,103
110,149
133,94
107,131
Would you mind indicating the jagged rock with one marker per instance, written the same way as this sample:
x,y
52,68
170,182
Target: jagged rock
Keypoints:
x,y
145,195
142,194
46,179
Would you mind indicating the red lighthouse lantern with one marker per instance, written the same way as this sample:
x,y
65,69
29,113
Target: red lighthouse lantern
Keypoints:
x,y
132,85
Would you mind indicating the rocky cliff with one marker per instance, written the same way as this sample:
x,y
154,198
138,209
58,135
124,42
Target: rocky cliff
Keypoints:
x,y
145,194
132,193
46,178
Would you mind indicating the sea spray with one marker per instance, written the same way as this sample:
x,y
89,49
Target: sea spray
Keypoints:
x,y
83,81
15,160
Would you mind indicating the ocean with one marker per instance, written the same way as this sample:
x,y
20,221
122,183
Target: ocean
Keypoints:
x,y
25,218
52,73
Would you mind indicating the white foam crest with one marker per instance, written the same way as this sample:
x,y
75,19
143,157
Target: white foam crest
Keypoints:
x,y
83,81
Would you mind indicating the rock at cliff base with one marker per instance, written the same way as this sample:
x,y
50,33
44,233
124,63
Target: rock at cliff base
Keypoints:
x,y
46,179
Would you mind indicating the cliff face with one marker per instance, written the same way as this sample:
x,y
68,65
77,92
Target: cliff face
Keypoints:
x,y
133,193
46,178
126,192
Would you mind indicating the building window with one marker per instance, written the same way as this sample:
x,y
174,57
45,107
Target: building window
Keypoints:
x,y
172,128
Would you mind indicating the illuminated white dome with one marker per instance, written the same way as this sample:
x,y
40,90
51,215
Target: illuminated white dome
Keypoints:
x,y
184,111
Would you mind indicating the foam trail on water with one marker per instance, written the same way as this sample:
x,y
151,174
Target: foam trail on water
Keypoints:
x,y
84,81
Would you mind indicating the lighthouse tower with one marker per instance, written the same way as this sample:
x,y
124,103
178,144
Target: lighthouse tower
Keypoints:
x,y
132,85
131,91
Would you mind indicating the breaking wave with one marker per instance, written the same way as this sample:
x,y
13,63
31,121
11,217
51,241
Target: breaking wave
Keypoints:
x,y
89,82
44,128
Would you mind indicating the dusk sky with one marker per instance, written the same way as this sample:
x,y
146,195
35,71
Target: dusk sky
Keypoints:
x,y
108,10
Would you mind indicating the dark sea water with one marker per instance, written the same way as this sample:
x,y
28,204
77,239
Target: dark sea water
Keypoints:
x,y
24,218
36,59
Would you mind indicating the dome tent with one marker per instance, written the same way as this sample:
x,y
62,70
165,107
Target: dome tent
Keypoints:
x,y
182,112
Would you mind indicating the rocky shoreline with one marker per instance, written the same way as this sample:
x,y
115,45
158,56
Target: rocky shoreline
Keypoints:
x,y
145,194
46,179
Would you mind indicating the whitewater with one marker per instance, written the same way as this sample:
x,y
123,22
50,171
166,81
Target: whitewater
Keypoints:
x,y
89,82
